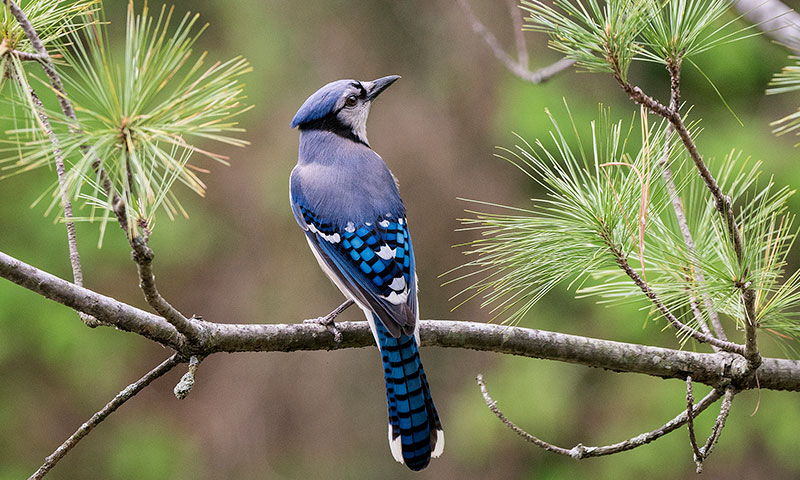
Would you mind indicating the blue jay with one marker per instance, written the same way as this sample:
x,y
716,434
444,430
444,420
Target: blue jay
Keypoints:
x,y
345,199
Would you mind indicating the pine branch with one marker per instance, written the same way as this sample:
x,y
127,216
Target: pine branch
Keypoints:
x,y
714,369
722,203
117,204
642,284
580,451
143,256
43,57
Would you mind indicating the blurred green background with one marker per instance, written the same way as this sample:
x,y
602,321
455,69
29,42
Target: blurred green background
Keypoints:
x,y
241,258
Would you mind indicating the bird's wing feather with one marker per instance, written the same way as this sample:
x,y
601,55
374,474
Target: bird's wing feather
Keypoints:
x,y
374,261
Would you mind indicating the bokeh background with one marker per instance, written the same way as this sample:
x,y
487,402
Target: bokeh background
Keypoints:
x,y
241,258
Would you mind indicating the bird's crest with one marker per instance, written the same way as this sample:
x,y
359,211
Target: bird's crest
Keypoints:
x,y
321,103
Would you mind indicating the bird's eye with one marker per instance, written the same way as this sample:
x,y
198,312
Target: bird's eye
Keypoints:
x,y
351,101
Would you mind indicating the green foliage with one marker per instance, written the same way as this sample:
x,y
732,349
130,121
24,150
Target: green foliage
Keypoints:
x,y
787,80
599,196
53,21
601,38
767,231
683,28
607,197
606,213
141,117
608,36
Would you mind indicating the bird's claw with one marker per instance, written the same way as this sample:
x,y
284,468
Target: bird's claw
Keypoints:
x,y
328,322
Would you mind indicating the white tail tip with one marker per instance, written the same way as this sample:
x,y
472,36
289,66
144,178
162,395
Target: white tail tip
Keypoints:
x,y
439,444
396,446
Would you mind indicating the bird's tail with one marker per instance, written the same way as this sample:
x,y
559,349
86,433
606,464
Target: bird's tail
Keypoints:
x,y
415,433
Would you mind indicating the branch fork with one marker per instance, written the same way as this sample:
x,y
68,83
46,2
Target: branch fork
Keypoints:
x,y
722,203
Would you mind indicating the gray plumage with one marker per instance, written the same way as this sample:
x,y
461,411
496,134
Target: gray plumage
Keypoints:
x,y
366,189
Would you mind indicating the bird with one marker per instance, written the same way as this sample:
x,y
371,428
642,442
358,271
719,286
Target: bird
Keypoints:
x,y
347,202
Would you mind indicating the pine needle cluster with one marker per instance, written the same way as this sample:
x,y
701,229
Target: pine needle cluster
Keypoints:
x,y
607,210
145,113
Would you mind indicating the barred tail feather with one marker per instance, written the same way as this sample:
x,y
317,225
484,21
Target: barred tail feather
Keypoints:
x,y
415,433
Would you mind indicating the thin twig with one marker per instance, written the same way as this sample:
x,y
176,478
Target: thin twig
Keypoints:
x,y
129,392
698,455
519,35
724,411
674,67
26,56
722,203
580,451
508,423
517,67
143,256
74,256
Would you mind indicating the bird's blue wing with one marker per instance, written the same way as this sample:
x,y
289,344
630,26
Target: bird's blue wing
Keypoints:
x,y
373,260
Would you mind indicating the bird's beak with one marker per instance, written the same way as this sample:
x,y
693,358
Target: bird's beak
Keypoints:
x,y
375,87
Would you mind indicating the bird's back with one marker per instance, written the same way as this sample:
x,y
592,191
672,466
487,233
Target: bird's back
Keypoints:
x,y
343,181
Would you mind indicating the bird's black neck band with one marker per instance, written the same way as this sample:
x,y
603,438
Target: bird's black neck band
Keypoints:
x,y
331,123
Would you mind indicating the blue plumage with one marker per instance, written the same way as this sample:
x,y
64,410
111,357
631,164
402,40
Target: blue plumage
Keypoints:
x,y
346,200
320,104
412,415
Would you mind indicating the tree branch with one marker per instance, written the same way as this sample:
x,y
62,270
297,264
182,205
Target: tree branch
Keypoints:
x,y
580,451
142,254
129,392
518,67
774,18
714,369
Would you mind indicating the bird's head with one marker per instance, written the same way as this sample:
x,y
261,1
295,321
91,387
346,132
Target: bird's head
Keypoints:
x,y
341,107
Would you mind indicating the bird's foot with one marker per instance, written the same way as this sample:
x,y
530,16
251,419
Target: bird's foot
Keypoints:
x,y
328,321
